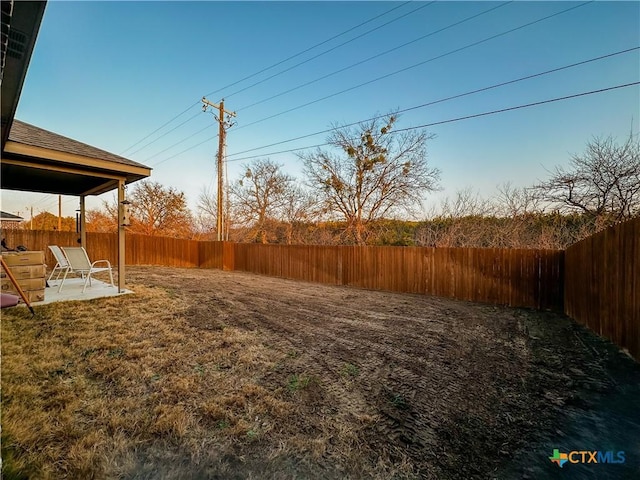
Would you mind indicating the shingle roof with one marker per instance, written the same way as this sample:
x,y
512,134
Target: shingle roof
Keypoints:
x,y
27,134
10,217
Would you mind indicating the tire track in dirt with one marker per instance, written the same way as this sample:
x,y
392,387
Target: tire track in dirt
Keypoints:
x,y
416,355
442,388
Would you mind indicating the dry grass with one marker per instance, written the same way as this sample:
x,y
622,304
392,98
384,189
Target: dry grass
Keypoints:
x,y
210,374
98,389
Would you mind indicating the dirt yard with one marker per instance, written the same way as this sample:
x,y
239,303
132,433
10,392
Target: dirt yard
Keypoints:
x,y
210,374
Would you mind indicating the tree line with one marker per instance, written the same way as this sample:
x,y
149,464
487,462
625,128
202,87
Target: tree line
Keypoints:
x,y
372,178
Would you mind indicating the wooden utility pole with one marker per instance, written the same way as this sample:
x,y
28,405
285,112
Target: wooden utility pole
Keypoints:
x,y
222,133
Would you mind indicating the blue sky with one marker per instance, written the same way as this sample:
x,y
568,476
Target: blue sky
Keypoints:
x,y
110,73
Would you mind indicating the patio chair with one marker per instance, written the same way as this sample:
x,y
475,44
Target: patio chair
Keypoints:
x,y
62,264
80,263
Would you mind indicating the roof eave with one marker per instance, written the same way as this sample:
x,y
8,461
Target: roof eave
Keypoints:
x,y
26,19
30,168
15,150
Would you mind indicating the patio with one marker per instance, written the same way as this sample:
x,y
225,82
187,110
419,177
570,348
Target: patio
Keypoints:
x,y
72,290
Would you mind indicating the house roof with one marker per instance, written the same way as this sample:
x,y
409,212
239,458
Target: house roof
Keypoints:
x,y
38,160
26,134
10,217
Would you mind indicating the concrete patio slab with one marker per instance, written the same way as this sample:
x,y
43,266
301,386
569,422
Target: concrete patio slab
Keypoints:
x,y
72,290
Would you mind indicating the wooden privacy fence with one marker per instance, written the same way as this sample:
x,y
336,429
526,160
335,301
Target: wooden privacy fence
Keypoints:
x,y
139,249
523,278
39,240
596,281
602,284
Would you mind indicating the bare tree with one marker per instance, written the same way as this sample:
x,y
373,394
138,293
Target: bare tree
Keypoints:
x,y
377,173
299,209
517,208
511,219
603,182
466,203
514,201
102,220
459,221
259,195
158,210
205,218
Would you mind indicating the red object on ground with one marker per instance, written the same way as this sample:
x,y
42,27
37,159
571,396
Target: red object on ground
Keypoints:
x,y
8,300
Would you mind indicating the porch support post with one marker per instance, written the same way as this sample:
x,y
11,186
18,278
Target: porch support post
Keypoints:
x,y
121,236
83,223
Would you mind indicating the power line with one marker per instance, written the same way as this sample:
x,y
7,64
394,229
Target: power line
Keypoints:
x,y
308,49
365,83
44,198
186,150
166,133
416,65
434,102
377,56
177,143
479,90
261,71
160,127
508,109
330,50
393,73
457,119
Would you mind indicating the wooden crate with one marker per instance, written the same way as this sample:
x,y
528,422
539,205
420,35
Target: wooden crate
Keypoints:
x,y
29,271
26,284
34,296
23,258
25,271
